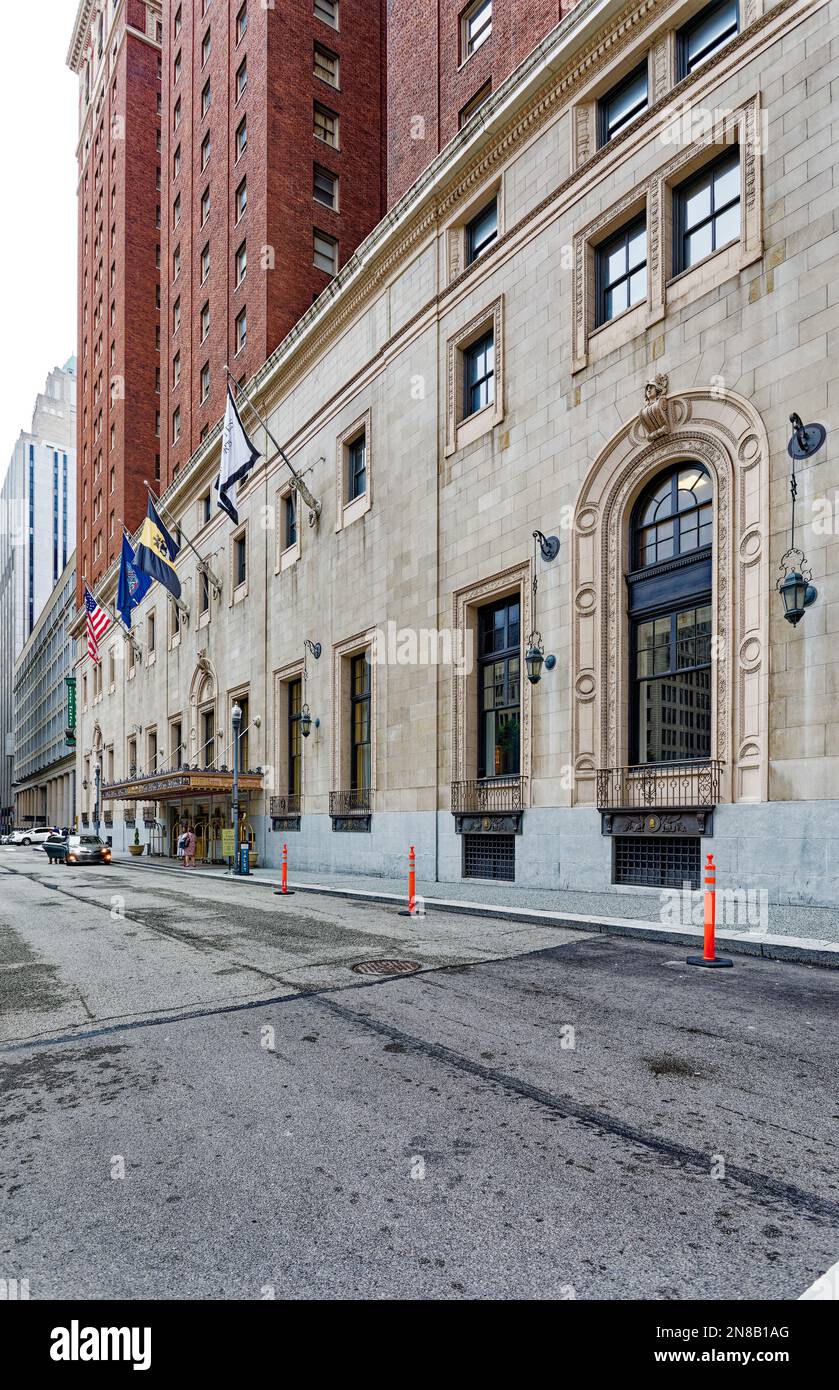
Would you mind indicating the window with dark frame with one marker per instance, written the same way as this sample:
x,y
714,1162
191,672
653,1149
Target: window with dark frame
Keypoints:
x,y
289,521
357,468
622,271
705,34
325,187
479,374
295,742
240,560
474,103
482,231
499,688
476,27
706,212
671,618
360,698
623,103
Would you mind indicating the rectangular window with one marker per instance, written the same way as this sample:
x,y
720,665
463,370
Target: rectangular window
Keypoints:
x,y
176,262
205,382
475,27
206,48
357,468
205,206
176,424
205,151
706,212
325,187
474,104
241,23
706,33
482,231
205,262
241,137
176,115
623,103
326,65
241,263
204,592
208,737
295,744
241,79
622,271
672,665
657,861
241,199
176,369
206,98
241,330
176,210
499,689
360,696
325,252
240,561
327,10
326,125
176,315
150,625
490,856
289,521
479,374
205,320
176,163
176,751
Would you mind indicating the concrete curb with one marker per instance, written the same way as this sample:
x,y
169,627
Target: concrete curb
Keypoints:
x,y
807,950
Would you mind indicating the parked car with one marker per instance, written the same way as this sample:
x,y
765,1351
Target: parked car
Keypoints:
x,y
77,849
32,835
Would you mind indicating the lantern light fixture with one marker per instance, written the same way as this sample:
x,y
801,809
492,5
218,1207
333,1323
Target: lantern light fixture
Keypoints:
x,y
795,583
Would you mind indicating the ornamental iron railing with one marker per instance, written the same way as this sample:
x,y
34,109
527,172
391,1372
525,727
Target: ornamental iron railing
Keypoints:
x,y
661,785
351,803
288,805
489,795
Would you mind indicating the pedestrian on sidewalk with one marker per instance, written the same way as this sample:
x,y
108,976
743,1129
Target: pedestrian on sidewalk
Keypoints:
x,y
182,840
189,848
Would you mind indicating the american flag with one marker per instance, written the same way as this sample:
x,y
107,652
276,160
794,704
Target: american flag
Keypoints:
x,y
98,622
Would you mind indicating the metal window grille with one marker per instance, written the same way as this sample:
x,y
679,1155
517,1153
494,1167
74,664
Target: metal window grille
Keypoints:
x,y
668,862
489,856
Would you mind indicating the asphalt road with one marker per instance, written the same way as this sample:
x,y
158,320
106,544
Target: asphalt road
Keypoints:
x,y
199,1099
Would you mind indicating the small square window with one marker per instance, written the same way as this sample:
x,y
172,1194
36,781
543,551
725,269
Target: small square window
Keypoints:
x,y
479,374
475,27
327,10
326,65
622,271
326,125
706,212
241,263
325,187
325,252
241,330
482,231
620,106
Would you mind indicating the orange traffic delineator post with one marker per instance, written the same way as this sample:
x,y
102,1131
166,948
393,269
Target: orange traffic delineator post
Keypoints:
x,y
708,957
411,909
284,890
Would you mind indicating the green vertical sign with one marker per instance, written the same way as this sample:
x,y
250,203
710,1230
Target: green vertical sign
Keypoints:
x,y
70,731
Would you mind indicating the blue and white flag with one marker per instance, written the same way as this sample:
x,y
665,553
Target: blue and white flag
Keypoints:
x,y
238,456
133,583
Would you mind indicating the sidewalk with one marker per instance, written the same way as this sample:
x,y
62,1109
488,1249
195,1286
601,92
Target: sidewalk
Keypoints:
x,y
809,934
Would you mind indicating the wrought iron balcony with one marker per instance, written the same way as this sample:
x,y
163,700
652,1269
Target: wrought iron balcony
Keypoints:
x,y
664,786
288,805
351,803
489,796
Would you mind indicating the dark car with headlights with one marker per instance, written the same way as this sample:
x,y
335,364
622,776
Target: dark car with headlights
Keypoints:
x,y
77,849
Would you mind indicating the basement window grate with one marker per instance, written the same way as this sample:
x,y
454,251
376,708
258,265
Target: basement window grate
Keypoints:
x,y
668,862
490,856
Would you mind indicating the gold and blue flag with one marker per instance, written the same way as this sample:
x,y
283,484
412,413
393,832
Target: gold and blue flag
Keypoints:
x,y
156,552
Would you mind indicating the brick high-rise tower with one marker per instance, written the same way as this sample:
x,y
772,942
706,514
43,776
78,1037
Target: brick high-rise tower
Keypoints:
x,y
273,173
116,52
443,61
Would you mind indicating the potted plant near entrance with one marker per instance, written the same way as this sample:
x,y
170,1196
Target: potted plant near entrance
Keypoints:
x,y
136,848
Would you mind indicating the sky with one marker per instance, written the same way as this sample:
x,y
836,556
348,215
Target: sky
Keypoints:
x,y
39,120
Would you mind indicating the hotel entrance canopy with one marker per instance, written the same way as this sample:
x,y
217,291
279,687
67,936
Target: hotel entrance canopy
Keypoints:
x,y
169,786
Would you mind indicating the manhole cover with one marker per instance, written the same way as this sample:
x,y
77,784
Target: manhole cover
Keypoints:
x,y
386,967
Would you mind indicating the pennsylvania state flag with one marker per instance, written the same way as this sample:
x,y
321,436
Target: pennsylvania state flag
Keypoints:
x,y
133,586
156,551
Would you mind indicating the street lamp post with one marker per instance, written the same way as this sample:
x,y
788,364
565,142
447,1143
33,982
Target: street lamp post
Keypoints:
x,y
97,779
236,718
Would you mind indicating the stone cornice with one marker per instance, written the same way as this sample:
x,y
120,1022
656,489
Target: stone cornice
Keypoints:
x,y
80,28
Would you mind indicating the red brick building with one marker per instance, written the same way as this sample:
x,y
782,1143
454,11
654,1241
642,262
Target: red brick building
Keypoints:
x,y
443,60
273,173
116,51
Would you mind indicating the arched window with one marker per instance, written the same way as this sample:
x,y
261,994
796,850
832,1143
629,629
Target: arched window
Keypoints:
x,y
669,593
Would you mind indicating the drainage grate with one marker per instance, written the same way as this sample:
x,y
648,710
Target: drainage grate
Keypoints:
x,y
386,967
490,856
669,862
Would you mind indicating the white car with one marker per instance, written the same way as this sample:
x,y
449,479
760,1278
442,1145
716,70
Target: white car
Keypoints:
x,y
34,835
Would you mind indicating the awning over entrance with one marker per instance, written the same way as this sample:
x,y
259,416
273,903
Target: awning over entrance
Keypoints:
x,y
168,786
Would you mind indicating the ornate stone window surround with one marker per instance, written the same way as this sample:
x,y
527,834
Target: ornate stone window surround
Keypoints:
x,y
726,434
466,604
460,431
278,783
660,49
342,652
348,512
455,231
740,128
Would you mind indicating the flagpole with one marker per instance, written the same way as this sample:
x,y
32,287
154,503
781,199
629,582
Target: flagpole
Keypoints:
x,y
311,502
114,619
202,563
